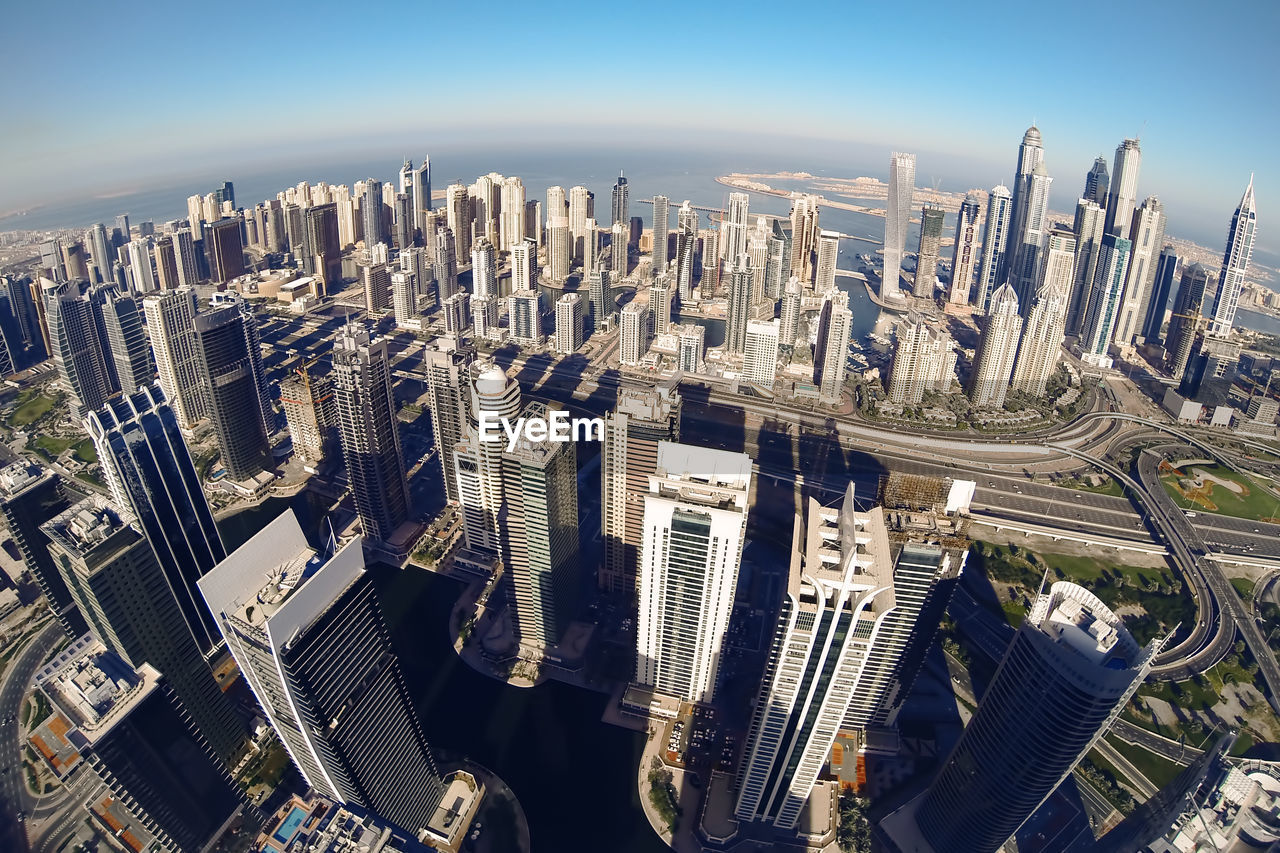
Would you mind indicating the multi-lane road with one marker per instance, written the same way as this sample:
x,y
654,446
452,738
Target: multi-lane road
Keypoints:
x,y
13,785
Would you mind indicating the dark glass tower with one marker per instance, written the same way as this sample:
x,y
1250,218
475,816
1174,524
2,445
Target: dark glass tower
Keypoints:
x,y
30,496
1186,320
1066,676
230,368
1097,183
138,740
307,632
124,595
322,249
151,475
1162,288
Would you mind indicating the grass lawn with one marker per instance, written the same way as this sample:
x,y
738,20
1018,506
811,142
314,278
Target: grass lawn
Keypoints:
x,y
1161,771
1254,502
1244,586
50,446
1111,487
32,407
85,451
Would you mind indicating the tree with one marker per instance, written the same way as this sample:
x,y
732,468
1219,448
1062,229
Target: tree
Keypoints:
x,y
854,832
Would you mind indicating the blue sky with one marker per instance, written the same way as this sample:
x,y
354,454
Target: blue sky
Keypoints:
x,y
98,95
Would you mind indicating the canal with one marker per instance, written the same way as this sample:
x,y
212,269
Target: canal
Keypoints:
x,y
575,776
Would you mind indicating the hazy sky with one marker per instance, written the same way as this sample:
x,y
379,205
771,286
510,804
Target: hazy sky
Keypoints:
x,y
99,96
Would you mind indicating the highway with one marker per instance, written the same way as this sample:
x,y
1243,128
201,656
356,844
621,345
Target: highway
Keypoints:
x,y
13,787
1232,614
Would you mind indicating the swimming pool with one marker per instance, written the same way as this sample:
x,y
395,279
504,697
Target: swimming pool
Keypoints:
x,y
290,825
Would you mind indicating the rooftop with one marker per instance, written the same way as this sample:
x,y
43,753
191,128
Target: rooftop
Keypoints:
x,y
87,524
20,476
93,688
277,578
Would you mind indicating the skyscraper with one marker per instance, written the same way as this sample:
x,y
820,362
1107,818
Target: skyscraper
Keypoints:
x,y
1168,268
835,327
993,363
931,217
1030,233
444,264
804,236
125,597
710,261
484,274
568,323
524,266
151,476
224,247
620,214
402,230
230,364
642,417
695,517
1030,155
309,636
1123,194
448,382
372,215
1097,183
369,431
559,248
600,303
1147,235
321,247
310,411
964,256
844,623
171,325
539,535
126,339
760,353
924,360
581,208
1088,231
511,217
733,227
29,496
902,183
661,294
526,319
792,301
661,225
458,217
634,333
1235,263
421,191
691,343
76,345
477,463
405,300
740,285
128,729
1046,321
1186,320
995,237
1104,300
824,279
618,255
1066,676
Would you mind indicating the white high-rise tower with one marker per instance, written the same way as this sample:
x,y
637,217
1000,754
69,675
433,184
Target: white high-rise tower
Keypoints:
x,y
695,518
902,182
1235,262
